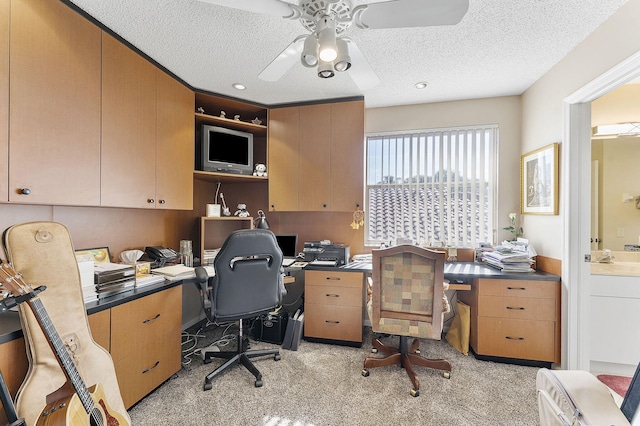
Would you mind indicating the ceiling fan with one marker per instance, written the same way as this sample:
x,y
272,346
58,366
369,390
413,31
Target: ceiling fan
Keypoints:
x,y
326,48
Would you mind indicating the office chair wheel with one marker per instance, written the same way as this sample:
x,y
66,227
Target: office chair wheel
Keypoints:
x,y
259,383
207,386
414,393
446,375
365,373
276,357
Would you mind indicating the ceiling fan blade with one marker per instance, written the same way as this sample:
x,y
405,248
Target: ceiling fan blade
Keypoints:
x,y
410,13
267,7
360,72
285,60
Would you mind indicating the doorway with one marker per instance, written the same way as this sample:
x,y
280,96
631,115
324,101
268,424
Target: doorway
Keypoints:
x,y
576,169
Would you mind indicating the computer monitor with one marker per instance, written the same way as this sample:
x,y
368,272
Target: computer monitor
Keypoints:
x,y
288,244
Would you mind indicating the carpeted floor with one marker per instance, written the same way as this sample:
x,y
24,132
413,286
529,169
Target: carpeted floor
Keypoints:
x,y
321,384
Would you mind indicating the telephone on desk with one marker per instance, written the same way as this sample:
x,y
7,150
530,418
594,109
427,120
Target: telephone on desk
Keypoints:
x,y
161,256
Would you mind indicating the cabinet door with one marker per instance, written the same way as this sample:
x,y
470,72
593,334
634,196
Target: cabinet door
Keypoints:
x,y
283,163
54,105
174,149
315,158
128,127
4,100
347,155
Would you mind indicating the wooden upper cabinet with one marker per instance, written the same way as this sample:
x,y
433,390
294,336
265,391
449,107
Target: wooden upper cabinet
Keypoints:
x,y
315,158
175,149
128,127
54,104
4,100
347,155
283,163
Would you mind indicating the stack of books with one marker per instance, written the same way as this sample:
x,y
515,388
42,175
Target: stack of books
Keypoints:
x,y
85,267
511,256
145,280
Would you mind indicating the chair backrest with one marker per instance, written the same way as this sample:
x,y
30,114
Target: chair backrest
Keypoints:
x,y
407,291
248,277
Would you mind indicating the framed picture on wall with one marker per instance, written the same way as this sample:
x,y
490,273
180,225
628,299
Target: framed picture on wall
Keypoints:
x,y
539,181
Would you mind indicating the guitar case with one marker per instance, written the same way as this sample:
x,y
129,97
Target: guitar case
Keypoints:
x,y
43,253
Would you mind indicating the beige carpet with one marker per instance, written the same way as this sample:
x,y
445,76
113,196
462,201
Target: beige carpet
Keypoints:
x,y
322,384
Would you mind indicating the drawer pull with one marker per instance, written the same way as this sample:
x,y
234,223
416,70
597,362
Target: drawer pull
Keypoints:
x,y
332,322
149,369
516,288
515,308
151,319
514,338
333,278
332,295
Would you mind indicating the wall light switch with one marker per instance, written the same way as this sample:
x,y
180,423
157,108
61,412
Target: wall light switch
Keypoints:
x,y
620,232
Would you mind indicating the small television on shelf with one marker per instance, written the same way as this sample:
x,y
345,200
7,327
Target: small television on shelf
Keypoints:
x,y
225,150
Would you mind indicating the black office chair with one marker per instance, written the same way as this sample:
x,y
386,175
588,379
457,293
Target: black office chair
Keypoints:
x,y
248,282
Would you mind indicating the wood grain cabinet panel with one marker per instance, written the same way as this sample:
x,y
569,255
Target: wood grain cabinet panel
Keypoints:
x,y
13,365
334,305
54,105
4,100
283,163
174,151
128,127
315,158
347,155
100,326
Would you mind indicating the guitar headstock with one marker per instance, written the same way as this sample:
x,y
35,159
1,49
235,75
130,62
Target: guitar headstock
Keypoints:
x,y
12,282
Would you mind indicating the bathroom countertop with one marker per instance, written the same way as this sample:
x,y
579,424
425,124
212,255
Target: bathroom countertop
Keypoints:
x,y
616,268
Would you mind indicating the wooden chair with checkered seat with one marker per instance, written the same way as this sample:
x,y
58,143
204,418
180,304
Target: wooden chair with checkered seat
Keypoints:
x,y
407,300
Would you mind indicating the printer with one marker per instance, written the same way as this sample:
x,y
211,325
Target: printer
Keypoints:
x,y
326,251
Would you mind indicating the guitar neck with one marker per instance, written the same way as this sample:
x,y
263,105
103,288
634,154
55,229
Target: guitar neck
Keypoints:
x,y
58,347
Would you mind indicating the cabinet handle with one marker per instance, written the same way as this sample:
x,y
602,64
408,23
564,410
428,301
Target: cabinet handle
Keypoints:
x,y
333,278
151,201
332,295
516,288
515,308
324,206
151,319
332,322
151,368
162,201
25,191
514,338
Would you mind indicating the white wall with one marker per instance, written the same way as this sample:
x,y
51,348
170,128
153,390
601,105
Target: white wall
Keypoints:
x,y
504,111
542,104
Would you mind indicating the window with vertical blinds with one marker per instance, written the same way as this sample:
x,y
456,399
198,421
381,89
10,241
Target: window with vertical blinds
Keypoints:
x,y
432,186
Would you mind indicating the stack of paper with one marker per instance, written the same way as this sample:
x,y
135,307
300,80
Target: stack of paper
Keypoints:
x,y
85,267
148,280
511,256
293,333
175,271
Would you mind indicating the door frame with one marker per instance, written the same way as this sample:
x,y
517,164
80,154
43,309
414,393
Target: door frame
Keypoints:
x,y
576,169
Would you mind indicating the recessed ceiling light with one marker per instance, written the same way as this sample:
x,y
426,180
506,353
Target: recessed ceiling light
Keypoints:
x,y
239,86
421,85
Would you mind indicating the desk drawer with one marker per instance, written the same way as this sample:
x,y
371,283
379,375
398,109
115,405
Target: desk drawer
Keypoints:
x,y
517,288
333,322
330,295
512,338
141,372
517,307
333,278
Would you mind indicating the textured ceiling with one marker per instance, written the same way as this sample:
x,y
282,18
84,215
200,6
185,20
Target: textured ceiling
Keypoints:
x,y
501,47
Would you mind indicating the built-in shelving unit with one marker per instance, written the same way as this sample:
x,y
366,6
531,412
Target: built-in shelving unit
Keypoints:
x,y
213,106
214,230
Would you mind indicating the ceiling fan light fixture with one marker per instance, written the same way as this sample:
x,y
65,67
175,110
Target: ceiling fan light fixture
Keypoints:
x,y
309,56
327,50
325,69
343,60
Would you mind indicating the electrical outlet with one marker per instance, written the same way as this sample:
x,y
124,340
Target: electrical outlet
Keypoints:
x,y
620,232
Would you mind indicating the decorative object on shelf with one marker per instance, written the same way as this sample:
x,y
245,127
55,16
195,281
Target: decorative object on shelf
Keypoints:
x,y
261,221
242,211
225,209
539,181
200,110
236,117
260,170
358,218
256,121
513,228
223,114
